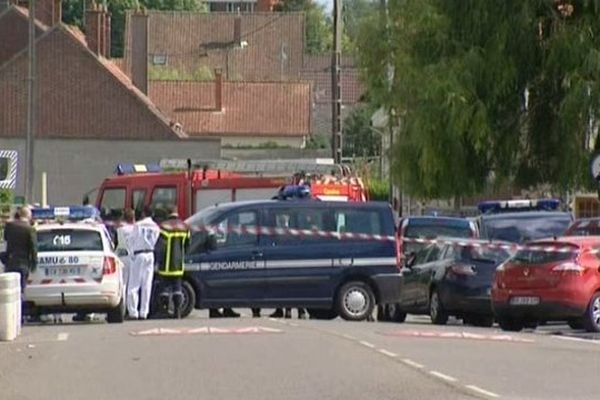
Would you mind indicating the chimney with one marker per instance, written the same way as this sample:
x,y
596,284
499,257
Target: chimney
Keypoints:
x,y
237,30
265,5
139,50
48,12
93,28
218,89
107,33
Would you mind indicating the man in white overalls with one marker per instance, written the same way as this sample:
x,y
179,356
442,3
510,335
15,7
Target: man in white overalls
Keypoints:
x,y
144,238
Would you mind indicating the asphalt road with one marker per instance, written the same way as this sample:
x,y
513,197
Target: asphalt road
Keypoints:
x,y
201,358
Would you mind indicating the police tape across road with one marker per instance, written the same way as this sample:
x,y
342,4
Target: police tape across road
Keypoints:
x,y
300,233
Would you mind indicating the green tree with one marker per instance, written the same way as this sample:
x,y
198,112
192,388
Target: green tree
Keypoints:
x,y
354,14
503,88
360,139
318,31
73,14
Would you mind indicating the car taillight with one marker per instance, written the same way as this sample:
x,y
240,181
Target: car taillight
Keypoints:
x,y
463,270
568,269
109,266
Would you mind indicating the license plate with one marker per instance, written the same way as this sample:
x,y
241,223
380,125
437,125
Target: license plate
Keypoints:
x,y
63,271
525,301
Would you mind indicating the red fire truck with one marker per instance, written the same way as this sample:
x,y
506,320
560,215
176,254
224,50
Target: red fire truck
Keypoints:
x,y
192,185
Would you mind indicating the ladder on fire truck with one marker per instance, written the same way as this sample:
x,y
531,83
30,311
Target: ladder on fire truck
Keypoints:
x,y
263,167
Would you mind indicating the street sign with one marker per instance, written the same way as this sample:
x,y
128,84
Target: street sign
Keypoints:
x,y
595,168
8,169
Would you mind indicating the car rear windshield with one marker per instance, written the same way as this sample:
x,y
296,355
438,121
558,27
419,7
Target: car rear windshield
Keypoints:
x,y
69,240
521,229
531,256
483,254
435,230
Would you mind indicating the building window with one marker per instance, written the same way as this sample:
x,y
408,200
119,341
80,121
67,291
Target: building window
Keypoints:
x,y
159,59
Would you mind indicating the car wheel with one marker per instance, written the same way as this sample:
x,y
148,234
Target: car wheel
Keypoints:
x,y
575,323
189,299
355,301
395,313
117,314
507,324
591,320
436,310
319,313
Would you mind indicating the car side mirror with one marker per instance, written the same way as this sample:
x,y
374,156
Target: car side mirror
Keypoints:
x,y
85,200
122,253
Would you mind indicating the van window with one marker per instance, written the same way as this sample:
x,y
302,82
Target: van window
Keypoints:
x,y
298,218
112,203
358,221
137,201
231,230
163,199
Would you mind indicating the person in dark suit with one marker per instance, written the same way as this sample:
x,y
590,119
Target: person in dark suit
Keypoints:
x,y
21,245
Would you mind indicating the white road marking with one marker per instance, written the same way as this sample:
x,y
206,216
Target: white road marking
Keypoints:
x,y
411,363
575,339
443,376
387,353
350,337
482,391
62,337
273,319
294,324
367,344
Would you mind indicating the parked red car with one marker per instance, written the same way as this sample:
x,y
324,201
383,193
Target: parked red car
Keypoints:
x,y
538,284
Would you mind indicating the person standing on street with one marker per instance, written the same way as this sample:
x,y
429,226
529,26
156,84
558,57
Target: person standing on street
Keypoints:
x,y
169,254
124,235
142,241
21,247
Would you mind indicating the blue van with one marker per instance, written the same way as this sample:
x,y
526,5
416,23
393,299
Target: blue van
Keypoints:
x,y
333,258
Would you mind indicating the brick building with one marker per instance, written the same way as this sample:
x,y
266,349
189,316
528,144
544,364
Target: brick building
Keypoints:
x,y
89,115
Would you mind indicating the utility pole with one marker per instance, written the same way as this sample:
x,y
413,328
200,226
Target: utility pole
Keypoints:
x,y
31,108
336,91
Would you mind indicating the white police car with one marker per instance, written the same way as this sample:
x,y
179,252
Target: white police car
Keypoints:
x,y
77,268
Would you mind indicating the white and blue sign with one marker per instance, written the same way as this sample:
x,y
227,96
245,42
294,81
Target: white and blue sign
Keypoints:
x,y
8,169
595,168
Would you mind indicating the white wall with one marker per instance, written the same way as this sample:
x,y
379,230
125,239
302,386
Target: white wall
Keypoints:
x,y
75,166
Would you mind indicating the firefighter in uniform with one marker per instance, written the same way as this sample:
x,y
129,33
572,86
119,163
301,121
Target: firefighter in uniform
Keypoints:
x,y
170,252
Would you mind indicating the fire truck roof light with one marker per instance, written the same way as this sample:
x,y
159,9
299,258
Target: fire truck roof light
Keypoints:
x,y
124,168
73,213
490,207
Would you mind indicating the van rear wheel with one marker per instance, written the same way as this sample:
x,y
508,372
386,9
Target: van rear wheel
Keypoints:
x,y
355,301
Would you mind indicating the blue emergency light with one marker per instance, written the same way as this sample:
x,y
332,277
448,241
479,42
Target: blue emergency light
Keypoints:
x,y
492,207
75,213
124,169
294,192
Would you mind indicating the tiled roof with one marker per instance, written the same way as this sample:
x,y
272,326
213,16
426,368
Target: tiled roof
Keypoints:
x,y
80,94
317,69
274,47
352,88
249,109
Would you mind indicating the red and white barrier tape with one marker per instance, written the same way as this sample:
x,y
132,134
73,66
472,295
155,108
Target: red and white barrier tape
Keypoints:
x,y
271,231
558,248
